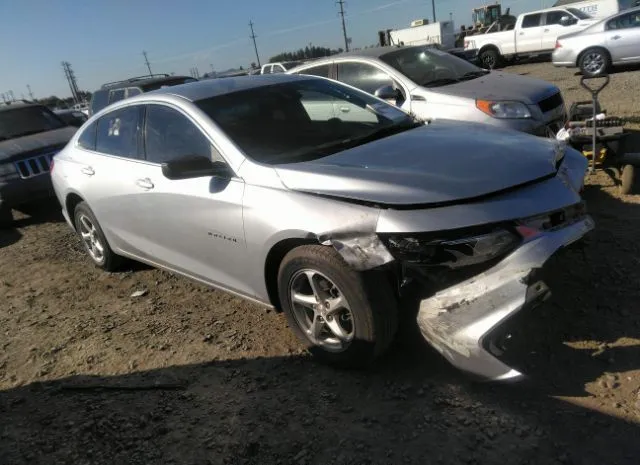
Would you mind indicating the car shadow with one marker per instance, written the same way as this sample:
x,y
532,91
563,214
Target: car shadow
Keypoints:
x,y
618,69
37,213
284,410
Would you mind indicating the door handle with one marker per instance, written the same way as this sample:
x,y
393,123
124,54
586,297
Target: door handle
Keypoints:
x,y
522,33
144,183
345,109
616,37
87,170
546,30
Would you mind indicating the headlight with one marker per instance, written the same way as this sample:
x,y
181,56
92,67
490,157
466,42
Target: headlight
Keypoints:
x,y
451,253
504,110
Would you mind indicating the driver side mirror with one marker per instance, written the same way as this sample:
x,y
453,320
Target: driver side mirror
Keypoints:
x,y
194,166
568,20
387,93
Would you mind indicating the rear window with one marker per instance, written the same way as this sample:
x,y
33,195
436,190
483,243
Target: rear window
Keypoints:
x,y
531,21
320,70
99,100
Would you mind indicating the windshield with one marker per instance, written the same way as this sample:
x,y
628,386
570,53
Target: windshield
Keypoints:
x,y
427,66
302,120
578,13
27,120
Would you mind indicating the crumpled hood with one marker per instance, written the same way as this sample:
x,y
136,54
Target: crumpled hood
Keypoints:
x,y
35,142
440,163
501,86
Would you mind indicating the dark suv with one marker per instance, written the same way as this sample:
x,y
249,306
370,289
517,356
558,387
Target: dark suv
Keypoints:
x,y
118,90
30,135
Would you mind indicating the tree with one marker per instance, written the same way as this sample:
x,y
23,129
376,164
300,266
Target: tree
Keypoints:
x,y
307,53
253,65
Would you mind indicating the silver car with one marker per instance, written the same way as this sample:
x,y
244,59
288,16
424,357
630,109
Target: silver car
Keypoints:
x,y
612,41
258,186
434,84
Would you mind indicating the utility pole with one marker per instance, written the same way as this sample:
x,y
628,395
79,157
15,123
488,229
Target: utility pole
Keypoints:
x,y
344,26
433,4
146,61
255,46
30,93
71,79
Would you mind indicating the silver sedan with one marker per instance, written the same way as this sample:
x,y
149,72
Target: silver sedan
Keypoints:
x,y
612,41
261,186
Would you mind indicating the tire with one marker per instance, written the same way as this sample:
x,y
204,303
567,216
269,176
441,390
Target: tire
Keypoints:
x,y
367,320
628,181
6,217
490,58
93,239
594,62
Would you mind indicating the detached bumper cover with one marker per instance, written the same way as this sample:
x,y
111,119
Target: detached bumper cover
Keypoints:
x,y
456,321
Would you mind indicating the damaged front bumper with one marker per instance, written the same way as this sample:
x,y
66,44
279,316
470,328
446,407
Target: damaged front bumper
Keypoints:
x,y
459,320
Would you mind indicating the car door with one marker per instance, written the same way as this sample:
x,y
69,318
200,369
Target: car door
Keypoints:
x,y
193,226
106,166
529,37
366,77
623,37
552,28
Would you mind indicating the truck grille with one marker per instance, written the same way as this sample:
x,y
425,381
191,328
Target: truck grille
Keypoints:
x,y
34,166
551,103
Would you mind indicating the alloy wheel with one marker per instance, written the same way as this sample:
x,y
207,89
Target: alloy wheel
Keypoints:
x,y
91,239
594,62
321,310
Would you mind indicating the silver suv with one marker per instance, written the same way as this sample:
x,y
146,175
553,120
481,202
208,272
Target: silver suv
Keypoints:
x,y
261,187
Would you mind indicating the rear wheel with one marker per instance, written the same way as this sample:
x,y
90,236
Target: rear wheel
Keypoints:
x,y
595,62
93,239
344,317
490,58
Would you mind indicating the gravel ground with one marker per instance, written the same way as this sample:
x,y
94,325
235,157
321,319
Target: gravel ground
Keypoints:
x,y
187,375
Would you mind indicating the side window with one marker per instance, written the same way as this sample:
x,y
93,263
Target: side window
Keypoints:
x,y
116,95
118,133
170,135
554,17
627,21
532,21
131,91
319,106
321,70
363,76
278,69
267,70
87,139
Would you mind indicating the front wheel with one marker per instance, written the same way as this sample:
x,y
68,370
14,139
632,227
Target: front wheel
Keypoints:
x,y
344,317
595,62
628,180
490,59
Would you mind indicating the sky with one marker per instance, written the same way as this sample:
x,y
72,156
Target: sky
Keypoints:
x,y
104,39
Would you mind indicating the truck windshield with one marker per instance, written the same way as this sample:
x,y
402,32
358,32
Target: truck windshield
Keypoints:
x,y
578,13
18,122
430,67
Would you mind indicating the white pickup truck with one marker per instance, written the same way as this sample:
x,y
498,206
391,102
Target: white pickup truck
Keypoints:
x,y
533,34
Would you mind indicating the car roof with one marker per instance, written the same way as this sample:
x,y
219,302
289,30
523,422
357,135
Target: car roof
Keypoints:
x,y
375,52
14,106
141,81
214,87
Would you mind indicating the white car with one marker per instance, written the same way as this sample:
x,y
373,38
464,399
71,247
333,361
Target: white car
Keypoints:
x,y
613,41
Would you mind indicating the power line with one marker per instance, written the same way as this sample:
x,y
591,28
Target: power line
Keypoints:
x,y
146,60
344,26
255,46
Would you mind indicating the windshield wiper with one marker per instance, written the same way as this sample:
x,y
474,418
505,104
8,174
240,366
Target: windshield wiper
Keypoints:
x,y
440,82
473,74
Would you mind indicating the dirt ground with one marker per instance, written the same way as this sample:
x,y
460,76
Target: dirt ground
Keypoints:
x,y
188,375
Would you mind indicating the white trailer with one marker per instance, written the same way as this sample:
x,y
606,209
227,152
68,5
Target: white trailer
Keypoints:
x,y
422,33
598,9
